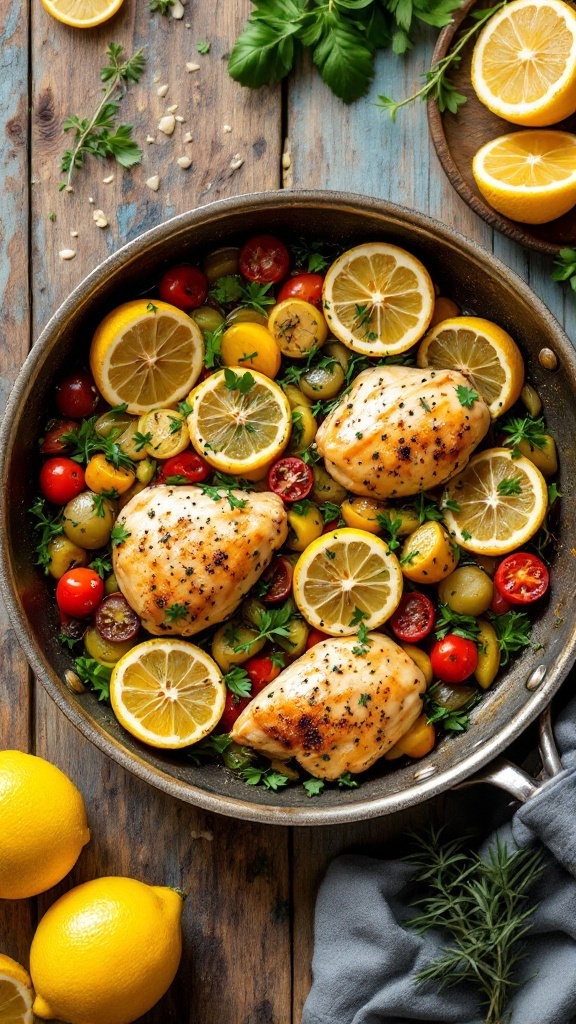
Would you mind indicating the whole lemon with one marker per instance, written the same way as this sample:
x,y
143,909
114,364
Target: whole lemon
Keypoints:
x,y
43,825
106,952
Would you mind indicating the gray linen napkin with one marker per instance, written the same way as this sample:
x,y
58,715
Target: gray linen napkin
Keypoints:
x,y
365,959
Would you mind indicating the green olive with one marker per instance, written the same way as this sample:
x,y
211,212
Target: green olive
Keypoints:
x,y
207,318
336,350
251,611
236,757
104,650
467,591
242,315
295,643
545,458
304,429
323,381
83,525
488,655
408,517
230,636
111,584
325,487
222,262
64,555
131,444
452,695
145,470
109,421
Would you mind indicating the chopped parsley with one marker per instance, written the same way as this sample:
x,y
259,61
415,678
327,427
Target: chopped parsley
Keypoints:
x,y
466,396
510,485
238,682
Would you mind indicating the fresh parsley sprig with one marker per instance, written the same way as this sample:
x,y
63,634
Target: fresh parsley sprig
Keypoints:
x,y
451,719
162,6
513,630
523,428
449,621
95,675
48,527
85,442
565,267
268,777
272,624
238,682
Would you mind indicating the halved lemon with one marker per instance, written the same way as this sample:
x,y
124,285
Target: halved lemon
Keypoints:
x,y
167,693
496,504
16,995
378,299
146,354
528,176
481,350
344,573
82,13
524,63
240,420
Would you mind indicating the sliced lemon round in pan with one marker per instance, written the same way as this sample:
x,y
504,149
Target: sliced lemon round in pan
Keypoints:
x,y
167,693
240,420
378,299
16,995
496,504
345,578
146,354
481,350
82,13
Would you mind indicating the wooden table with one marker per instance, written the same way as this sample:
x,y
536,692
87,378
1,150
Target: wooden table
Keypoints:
x,y
248,918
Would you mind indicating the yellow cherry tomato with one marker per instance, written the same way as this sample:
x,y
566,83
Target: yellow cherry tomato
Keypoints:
x,y
488,655
304,429
103,476
252,346
428,555
305,525
166,433
417,742
421,660
298,327
360,513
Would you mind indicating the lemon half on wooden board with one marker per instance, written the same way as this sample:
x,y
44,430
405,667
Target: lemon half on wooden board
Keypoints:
x,y
378,299
82,13
524,62
146,355
16,995
528,176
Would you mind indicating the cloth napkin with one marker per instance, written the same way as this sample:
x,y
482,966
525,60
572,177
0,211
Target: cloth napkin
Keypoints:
x,y
365,960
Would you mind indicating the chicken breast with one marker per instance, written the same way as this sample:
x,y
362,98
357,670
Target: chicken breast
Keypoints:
x,y
401,430
333,710
189,560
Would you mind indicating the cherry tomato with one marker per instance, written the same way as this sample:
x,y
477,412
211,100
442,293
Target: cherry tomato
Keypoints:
x,y
184,286
414,617
291,479
77,395
72,628
233,708
188,467
79,592
316,636
499,605
454,658
264,258
51,444
279,574
115,620
262,671
61,480
522,578
303,286
332,525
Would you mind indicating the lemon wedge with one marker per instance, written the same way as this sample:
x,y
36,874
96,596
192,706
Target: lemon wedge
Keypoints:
x,y
16,995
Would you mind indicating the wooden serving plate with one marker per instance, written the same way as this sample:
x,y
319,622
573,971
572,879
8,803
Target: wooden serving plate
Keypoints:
x,y
458,137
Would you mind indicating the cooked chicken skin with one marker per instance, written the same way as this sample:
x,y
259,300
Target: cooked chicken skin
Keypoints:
x,y
401,430
188,550
333,710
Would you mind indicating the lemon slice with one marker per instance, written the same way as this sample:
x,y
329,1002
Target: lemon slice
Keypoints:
x,y
378,299
501,503
481,350
528,176
167,693
146,354
239,429
524,63
16,994
345,572
82,13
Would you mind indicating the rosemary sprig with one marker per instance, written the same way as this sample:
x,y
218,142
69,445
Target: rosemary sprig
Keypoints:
x,y
437,84
99,134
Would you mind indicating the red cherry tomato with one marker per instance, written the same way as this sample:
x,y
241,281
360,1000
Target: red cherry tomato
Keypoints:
x,y
51,444
291,479
186,468
115,620
414,617
262,671
522,578
79,592
316,636
499,605
264,258
454,658
332,525
303,286
279,574
183,286
61,480
233,708
77,395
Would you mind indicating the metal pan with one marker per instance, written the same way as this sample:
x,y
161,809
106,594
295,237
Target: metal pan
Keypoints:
x,y
477,281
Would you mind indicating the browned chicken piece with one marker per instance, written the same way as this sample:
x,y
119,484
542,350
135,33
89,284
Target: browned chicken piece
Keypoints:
x,y
401,430
334,710
189,560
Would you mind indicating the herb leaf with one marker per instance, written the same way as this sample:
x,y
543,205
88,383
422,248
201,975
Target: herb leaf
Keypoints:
x,y
513,630
238,682
449,621
95,675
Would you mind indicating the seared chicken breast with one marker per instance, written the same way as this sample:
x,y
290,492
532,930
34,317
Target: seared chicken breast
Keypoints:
x,y
188,560
401,430
335,710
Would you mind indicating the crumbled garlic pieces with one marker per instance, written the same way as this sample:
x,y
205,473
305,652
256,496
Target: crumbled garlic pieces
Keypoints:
x,y
150,138
154,182
184,162
90,200
192,67
73,234
236,161
67,254
177,11
227,128
180,119
108,180
172,109
100,219
167,124
188,137
162,90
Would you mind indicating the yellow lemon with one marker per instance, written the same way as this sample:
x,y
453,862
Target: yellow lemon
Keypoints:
x,y
82,13
428,554
106,951
16,993
43,825
524,62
